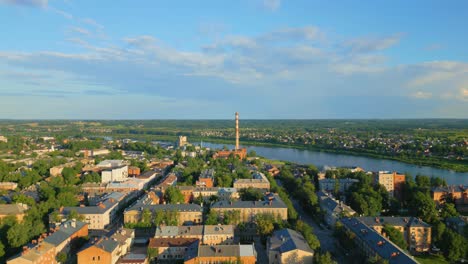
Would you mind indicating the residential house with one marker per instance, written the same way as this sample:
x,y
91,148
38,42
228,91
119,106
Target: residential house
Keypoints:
x,y
287,246
333,209
245,254
416,232
259,181
272,204
16,210
188,213
373,244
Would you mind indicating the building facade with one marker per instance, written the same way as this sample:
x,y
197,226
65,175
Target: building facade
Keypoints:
x,y
287,246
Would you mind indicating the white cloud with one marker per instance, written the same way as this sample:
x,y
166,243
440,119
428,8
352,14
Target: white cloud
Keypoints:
x,y
422,95
371,44
271,5
32,3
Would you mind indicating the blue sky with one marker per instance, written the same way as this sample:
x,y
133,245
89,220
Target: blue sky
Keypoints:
x,y
207,59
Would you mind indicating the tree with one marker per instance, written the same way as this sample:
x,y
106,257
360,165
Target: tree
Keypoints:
x,y
395,236
212,218
146,217
265,224
324,258
152,253
251,194
448,210
173,195
421,205
2,249
18,234
61,257
74,215
308,234
453,245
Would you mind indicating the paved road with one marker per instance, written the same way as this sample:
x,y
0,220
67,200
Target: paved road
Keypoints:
x,y
325,236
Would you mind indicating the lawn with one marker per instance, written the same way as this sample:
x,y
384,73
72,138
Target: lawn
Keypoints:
x,y
432,259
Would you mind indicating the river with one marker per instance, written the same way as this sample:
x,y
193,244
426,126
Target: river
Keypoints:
x,y
322,159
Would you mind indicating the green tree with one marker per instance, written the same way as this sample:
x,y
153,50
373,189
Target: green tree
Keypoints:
x,y
324,258
61,257
265,224
453,246
173,195
448,210
18,234
395,236
421,205
251,194
146,217
2,249
212,218
308,234
152,253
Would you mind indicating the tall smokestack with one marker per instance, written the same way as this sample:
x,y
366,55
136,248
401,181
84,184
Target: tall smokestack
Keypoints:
x,y
237,130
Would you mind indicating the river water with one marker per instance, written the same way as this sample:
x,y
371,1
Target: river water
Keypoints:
x,y
322,159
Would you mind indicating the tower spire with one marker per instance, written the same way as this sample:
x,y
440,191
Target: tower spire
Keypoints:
x,y
237,130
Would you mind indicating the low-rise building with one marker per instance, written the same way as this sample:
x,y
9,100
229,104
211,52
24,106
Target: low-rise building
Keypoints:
x,y
206,179
245,254
187,213
206,234
416,232
172,248
288,246
333,209
372,244
16,210
272,204
115,174
8,185
3,139
107,164
107,250
45,249
455,192
457,223
134,258
98,216
330,185
57,170
259,181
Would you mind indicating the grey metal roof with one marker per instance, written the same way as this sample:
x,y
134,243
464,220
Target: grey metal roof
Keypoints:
x,y
392,220
285,240
379,244
167,207
65,231
276,202
226,251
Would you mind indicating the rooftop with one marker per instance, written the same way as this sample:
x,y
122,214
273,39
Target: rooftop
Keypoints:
x,y
274,202
65,231
167,207
172,242
379,244
285,240
392,220
12,209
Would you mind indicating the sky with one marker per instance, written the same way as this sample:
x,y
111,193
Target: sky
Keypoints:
x,y
266,59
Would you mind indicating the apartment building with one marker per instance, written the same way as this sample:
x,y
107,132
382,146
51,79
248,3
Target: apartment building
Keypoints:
x,y
392,181
206,179
416,232
286,245
107,250
329,185
115,174
16,210
172,248
272,204
333,209
206,234
259,181
99,216
245,254
46,247
372,243
188,213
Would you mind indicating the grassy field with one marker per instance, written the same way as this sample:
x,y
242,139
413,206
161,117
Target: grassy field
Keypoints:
x,y
432,259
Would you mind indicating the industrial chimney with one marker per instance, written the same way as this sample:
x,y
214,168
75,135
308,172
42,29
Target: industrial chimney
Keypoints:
x,y
237,131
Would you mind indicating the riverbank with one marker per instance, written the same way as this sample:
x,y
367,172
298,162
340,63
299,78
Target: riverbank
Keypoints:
x,y
457,166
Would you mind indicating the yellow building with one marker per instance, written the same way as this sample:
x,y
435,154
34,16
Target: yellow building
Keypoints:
x,y
272,204
288,246
259,181
187,213
416,232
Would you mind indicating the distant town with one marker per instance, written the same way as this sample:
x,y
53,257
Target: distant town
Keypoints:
x,y
69,197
